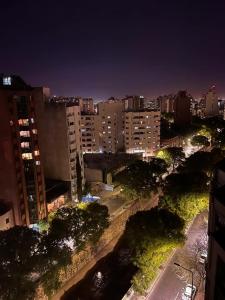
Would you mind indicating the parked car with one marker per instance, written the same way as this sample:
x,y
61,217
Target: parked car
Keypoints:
x,y
189,292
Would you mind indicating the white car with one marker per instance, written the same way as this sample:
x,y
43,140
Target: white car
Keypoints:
x,y
203,257
189,293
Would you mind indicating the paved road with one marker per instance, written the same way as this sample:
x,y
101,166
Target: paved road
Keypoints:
x,y
169,286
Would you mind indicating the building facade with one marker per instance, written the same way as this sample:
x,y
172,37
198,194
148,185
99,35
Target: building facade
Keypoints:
x,y
90,133
134,103
87,106
166,103
110,126
211,103
215,271
21,173
142,132
182,109
60,139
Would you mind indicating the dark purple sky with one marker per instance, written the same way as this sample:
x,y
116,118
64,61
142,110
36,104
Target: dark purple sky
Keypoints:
x,y
112,48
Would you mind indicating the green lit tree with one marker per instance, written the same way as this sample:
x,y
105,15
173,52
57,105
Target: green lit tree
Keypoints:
x,y
200,140
152,235
173,156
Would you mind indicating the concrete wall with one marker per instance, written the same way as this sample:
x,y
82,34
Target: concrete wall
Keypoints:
x,y
93,175
7,220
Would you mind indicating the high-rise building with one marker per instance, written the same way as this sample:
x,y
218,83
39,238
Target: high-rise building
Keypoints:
x,y
21,173
211,103
87,106
90,133
134,103
111,126
142,132
215,269
182,109
60,141
166,103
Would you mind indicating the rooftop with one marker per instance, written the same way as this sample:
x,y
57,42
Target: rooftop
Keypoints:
x,y
13,82
108,161
67,101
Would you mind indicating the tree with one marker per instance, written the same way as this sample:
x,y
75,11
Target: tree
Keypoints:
x,y
27,256
157,166
151,235
186,194
197,162
200,140
172,155
138,178
177,184
202,161
80,225
18,254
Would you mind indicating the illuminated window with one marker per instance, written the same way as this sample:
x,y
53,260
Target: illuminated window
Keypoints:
x,y
25,145
32,120
36,152
27,156
23,122
108,117
109,127
37,162
25,133
7,80
34,131
135,127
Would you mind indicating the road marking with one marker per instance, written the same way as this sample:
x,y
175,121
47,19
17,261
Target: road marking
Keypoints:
x,y
177,296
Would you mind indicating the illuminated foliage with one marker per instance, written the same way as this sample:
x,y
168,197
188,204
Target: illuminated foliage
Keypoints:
x,y
200,140
152,235
171,155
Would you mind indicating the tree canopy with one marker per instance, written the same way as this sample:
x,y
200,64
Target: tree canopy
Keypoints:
x,y
172,155
28,257
152,235
140,178
200,140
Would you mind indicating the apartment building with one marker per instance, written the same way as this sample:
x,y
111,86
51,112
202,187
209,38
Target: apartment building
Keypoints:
x,y
211,103
182,109
142,132
110,126
215,268
90,133
22,187
60,140
134,102
87,106
166,103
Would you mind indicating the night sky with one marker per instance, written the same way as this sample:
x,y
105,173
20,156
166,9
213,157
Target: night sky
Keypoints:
x,y
113,48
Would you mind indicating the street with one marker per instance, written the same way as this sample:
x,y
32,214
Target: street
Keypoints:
x,y
169,286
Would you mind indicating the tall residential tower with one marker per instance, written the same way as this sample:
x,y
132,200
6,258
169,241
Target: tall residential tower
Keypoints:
x,y
21,172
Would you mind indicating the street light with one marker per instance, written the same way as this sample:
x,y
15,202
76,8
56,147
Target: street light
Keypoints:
x,y
191,276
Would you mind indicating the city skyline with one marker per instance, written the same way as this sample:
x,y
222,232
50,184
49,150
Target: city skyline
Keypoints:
x,y
102,50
